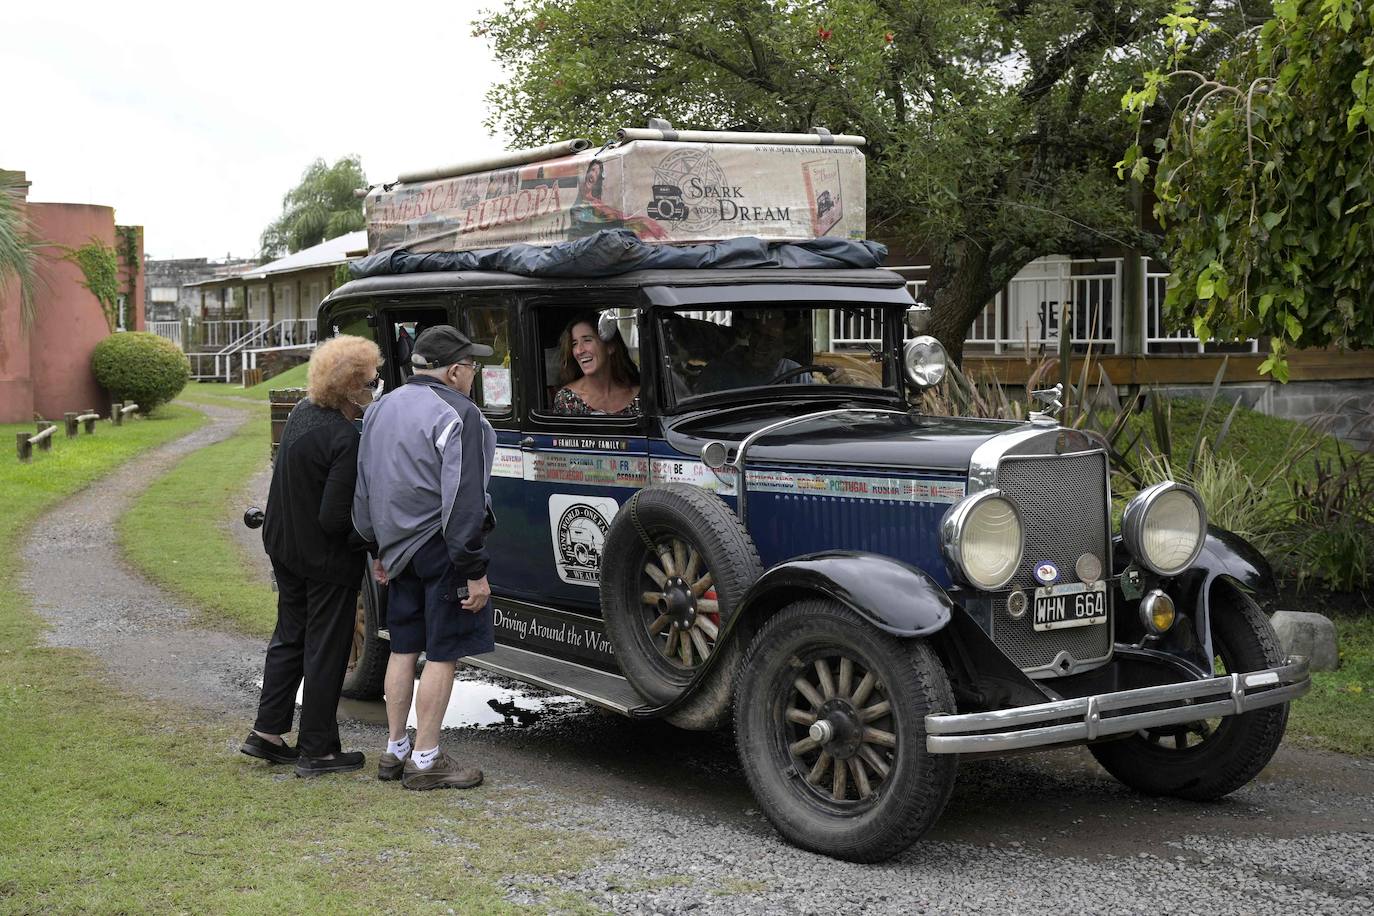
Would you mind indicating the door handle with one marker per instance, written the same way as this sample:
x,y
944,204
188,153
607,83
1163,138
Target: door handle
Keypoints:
x,y
527,442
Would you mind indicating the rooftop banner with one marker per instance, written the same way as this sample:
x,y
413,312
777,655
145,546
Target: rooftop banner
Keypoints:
x,y
664,191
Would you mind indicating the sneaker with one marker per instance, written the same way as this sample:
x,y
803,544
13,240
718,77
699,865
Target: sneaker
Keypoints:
x,y
446,773
342,762
256,745
390,767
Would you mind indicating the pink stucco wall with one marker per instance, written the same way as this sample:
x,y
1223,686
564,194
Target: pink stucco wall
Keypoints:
x,y
70,321
16,390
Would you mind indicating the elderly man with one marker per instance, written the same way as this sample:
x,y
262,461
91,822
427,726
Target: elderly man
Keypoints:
x,y
423,467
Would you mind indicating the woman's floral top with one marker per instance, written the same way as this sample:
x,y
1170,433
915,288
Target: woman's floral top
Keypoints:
x,y
567,402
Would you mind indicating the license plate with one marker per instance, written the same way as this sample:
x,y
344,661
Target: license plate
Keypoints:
x,y
1075,604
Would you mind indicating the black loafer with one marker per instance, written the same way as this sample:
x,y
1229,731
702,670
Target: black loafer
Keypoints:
x,y
307,767
257,746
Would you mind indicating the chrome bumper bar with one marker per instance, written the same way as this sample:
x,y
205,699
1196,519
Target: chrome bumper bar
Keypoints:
x,y
1090,718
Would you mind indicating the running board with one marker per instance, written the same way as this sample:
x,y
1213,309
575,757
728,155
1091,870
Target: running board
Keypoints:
x,y
601,688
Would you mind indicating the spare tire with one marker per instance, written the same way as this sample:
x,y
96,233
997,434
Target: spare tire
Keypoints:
x,y
677,563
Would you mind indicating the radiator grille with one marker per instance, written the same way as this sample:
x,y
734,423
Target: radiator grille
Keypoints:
x,y
1062,499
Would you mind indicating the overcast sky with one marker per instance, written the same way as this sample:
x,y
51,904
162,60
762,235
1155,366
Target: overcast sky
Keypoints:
x,y
192,120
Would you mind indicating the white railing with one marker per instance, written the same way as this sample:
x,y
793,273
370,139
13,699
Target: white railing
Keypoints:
x,y
1157,334
229,361
215,334
171,330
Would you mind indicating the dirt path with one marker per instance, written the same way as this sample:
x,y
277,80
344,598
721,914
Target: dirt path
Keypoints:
x,y
1043,833
147,640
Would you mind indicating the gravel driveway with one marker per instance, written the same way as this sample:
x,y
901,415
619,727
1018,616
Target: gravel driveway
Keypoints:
x,y
1034,834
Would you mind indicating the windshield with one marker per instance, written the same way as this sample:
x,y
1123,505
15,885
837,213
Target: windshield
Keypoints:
x,y
709,352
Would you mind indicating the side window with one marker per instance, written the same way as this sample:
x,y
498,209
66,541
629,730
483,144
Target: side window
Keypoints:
x,y
589,360
402,325
490,325
359,322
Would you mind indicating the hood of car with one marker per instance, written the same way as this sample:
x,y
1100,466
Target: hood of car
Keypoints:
x,y
859,437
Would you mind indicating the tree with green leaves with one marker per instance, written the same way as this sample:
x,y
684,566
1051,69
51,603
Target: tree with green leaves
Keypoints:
x,y
993,125
323,206
18,246
1264,179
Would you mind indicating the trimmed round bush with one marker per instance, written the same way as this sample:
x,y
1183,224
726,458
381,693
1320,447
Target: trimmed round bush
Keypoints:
x,y
140,367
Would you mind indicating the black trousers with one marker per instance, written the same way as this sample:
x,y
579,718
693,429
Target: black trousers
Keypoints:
x,y
314,634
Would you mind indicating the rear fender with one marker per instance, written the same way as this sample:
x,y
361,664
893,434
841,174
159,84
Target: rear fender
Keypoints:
x,y
893,596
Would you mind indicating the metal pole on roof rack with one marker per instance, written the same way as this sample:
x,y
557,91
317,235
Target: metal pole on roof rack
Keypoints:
x,y
501,161
661,130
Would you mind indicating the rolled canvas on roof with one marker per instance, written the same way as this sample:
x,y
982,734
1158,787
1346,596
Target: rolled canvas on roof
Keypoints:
x,y
665,192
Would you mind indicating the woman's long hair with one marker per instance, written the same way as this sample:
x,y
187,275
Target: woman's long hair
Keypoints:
x,y
623,370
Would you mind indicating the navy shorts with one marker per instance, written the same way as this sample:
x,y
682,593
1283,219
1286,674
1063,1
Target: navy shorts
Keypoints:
x,y
424,611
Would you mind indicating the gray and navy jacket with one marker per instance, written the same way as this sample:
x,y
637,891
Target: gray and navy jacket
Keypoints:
x,y
423,467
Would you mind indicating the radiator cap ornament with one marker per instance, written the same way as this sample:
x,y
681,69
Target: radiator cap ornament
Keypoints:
x,y
1046,573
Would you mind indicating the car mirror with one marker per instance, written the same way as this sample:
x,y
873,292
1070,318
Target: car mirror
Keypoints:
x,y
607,324
918,318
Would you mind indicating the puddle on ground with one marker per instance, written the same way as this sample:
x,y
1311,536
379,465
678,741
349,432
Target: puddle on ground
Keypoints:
x,y
475,703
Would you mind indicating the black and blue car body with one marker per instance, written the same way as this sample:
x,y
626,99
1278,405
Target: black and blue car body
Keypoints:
x,y
778,538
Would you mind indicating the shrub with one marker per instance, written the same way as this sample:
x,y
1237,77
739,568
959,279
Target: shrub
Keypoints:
x,y
1331,539
140,367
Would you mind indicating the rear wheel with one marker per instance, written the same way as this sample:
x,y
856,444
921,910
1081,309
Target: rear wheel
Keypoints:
x,y
365,677
830,723
1209,758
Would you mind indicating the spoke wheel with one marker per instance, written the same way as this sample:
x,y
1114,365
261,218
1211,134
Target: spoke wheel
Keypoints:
x,y
1209,758
839,728
365,676
677,565
681,609
830,724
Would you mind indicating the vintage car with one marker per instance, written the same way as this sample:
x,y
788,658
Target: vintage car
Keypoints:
x,y
779,540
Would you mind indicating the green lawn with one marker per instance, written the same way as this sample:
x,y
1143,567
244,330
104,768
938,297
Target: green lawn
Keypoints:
x,y
1339,712
110,804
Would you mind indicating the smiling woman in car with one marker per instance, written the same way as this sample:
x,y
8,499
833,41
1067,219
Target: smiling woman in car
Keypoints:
x,y
597,376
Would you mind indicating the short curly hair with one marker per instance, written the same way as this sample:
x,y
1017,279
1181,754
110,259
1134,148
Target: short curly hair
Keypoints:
x,y
339,367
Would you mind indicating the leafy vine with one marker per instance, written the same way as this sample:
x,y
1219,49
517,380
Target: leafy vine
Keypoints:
x,y
100,266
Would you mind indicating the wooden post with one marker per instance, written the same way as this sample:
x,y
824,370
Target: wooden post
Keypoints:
x,y
46,442
117,412
22,447
72,426
91,417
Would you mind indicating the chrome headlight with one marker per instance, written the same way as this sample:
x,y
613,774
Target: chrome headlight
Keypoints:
x,y
982,539
1164,527
924,360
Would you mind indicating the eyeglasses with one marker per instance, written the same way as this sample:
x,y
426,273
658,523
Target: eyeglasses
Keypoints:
x,y
468,365
374,383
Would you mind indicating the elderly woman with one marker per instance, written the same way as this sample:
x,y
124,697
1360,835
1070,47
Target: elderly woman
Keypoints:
x,y
317,559
597,375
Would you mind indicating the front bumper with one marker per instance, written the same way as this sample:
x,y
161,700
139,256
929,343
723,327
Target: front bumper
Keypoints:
x,y
1089,718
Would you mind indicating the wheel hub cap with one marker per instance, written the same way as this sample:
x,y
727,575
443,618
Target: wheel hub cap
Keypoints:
x,y
840,722
678,602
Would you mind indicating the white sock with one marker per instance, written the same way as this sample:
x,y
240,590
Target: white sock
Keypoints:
x,y
425,759
399,749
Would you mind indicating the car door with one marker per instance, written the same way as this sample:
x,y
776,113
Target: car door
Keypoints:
x,y
578,470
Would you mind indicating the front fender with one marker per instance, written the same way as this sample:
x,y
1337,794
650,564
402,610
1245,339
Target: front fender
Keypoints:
x,y
894,596
1225,556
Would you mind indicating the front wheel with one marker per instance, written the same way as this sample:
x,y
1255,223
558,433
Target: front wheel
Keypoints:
x,y
1209,758
830,723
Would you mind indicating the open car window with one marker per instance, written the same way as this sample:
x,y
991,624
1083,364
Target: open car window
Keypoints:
x,y
710,352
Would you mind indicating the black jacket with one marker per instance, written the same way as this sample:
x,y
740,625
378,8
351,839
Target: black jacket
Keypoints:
x,y
309,527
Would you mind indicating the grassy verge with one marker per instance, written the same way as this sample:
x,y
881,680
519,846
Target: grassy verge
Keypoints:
x,y
212,392
111,804
1339,712
202,494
